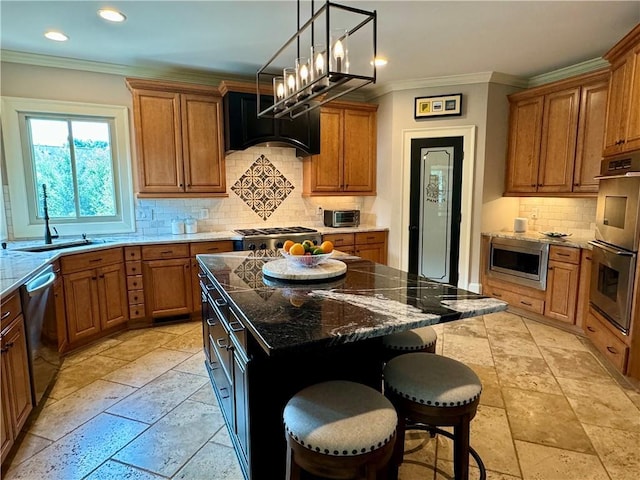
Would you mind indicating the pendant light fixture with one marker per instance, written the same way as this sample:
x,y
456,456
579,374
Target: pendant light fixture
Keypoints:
x,y
330,55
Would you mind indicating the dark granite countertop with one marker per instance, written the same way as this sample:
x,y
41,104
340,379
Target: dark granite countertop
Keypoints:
x,y
370,300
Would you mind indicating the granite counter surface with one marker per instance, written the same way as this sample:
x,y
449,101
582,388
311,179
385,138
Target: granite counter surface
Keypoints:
x,y
371,300
575,242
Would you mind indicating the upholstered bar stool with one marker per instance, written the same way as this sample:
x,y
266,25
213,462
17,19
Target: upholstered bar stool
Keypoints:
x,y
431,391
339,430
421,339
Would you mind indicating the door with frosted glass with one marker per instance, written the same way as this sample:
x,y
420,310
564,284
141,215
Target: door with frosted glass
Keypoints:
x,y
434,224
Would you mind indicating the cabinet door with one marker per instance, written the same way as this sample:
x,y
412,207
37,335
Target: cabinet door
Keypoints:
x,y
6,429
593,108
325,171
376,252
61,315
359,151
557,148
632,135
525,131
112,292
562,291
16,359
616,108
158,141
81,298
202,144
168,287
241,409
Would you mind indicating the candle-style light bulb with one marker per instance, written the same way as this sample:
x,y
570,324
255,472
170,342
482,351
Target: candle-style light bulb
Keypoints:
x,y
304,74
320,64
291,83
280,91
338,54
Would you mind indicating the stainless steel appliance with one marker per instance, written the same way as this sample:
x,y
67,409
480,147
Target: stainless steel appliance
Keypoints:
x,y
274,237
41,326
519,261
615,250
341,218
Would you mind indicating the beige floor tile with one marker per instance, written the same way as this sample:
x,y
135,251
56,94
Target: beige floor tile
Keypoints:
x,y
149,366
472,327
65,415
137,346
88,352
180,328
189,342
158,397
467,349
218,461
156,450
513,343
205,395
504,322
545,418
548,336
445,472
222,437
30,445
619,450
540,462
79,453
574,364
634,396
111,470
491,393
611,409
193,365
526,373
83,373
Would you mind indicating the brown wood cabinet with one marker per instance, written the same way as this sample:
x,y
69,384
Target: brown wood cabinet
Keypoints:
x,y
562,283
369,245
135,285
346,164
167,280
179,139
202,248
555,137
95,293
15,382
622,132
606,340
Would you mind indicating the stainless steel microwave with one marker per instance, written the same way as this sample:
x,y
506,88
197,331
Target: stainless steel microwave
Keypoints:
x,y
341,218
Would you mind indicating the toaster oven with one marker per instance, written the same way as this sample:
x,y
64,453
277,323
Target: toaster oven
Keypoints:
x,y
341,218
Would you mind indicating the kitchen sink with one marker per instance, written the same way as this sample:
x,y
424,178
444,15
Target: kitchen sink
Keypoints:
x,y
59,245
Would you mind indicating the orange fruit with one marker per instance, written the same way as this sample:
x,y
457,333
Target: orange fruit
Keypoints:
x,y
287,245
327,246
296,249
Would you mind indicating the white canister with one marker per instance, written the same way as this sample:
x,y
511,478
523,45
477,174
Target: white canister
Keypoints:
x,y
191,225
177,226
520,225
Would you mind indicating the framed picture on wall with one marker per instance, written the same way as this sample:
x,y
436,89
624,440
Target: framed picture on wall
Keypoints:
x,y
438,106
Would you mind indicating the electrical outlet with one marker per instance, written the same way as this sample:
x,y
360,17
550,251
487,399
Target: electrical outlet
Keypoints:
x,y
534,213
204,213
319,211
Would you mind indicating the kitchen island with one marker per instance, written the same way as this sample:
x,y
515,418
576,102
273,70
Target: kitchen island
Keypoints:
x,y
265,339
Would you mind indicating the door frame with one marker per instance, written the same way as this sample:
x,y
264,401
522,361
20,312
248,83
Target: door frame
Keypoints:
x,y
468,134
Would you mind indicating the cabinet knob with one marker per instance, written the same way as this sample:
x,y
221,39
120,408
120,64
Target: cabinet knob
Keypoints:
x,y
612,350
550,268
591,329
533,185
576,184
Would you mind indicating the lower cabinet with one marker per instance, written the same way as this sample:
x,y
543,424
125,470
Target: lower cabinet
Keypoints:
x,y
15,380
167,280
368,245
562,283
606,340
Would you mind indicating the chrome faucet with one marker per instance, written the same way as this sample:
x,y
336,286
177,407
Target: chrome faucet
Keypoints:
x,y
47,232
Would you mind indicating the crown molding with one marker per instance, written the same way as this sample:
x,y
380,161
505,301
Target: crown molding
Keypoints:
x,y
570,71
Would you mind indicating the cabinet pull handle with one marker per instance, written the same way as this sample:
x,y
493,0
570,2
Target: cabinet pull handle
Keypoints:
x,y
587,258
224,388
371,238
533,185
591,329
95,260
236,329
550,268
563,254
612,350
221,302
496,294
576,184
93,278
200,275
526,303
211,322
8,345
5,314
4,350
213,249
166,252
219,342
102,276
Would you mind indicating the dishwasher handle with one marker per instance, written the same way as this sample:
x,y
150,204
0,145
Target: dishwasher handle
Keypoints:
x,y
41,282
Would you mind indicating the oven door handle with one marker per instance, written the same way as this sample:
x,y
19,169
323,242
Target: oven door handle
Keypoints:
x,y
607,248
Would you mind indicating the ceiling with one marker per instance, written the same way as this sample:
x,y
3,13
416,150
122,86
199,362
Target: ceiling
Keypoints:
x,y
421,39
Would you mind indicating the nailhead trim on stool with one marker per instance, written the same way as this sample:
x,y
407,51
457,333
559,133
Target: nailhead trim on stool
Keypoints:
x,y
423,338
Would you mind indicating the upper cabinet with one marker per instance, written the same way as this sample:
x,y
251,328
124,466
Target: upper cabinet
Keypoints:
x,y
556,136
623,112
179,139
346,164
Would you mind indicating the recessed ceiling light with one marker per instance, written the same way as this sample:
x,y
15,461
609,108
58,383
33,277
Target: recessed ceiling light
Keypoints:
x,y
111,15
55,35
380,62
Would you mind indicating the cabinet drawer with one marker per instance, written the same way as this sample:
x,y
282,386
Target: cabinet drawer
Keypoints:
x,y
611,347
201,248
370,237
134,268
85,261
564,254
340,239
134,282
158,252
136,311
132,253
135,297
10,309
517,300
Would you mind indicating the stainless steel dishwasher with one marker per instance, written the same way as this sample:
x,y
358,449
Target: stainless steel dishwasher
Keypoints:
x,y
42,333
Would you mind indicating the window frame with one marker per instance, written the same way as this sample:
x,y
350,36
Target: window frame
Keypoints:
x,y
24,226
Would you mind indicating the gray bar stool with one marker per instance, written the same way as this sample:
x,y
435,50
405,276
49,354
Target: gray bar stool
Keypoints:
x,y
339,430
431,391
421,339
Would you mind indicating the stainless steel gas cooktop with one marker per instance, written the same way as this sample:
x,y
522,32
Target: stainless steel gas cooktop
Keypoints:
x,y
274,237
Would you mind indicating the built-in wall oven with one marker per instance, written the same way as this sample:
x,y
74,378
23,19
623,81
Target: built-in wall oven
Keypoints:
x,y
519,261
615,249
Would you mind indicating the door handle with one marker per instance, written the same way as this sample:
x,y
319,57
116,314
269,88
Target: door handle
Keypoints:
x,y
615,251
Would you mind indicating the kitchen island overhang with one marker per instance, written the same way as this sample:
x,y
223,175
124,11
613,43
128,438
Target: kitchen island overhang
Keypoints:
x,y
264,339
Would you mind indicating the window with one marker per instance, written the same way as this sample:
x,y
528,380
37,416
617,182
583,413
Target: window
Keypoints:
x,y
80,153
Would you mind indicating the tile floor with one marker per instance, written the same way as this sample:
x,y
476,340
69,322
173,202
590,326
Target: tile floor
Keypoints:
x,y
139,406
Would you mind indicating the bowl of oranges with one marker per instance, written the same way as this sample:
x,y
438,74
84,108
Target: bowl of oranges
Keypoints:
x,y
306,254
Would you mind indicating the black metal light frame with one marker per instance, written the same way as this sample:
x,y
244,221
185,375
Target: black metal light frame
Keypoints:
x,y
351,82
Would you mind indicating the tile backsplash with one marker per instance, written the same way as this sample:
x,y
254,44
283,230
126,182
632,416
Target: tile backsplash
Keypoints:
x,y
571,215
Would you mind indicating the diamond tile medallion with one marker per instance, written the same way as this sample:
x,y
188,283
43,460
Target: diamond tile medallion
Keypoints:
x,y
263,188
